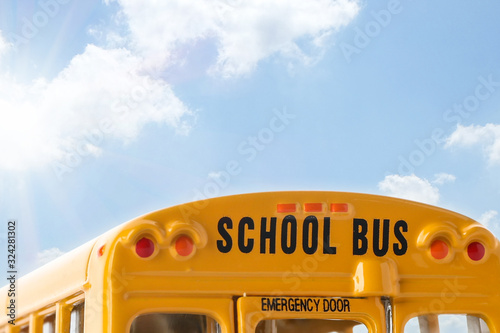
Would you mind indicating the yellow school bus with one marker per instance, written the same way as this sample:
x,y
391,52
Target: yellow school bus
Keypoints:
x,y
271,263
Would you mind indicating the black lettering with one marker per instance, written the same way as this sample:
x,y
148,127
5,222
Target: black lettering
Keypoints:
x,y
347,306
246,221
359,240
289,241
380,251
316,304
313,222
401,248
224,224
326,306
309,305
299,304
284,305
340,305
273,306
271,235
327,249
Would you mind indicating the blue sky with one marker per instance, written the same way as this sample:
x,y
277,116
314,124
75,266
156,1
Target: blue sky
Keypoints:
x,y
111,109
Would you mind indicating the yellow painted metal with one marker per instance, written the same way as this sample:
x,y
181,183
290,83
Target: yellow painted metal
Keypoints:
x,y
45,286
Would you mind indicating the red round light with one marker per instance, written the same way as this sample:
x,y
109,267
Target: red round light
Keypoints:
x,y
144,247
476,251
184,245
439,249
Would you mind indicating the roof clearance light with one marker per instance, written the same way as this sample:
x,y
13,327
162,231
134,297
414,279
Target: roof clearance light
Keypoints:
x,y
439,249
101,251
286,208
339,208
184,245
314,207
144,247
476,251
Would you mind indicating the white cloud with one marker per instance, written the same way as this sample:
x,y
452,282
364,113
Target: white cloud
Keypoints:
x,y
48,255
487,136
409,187
64,119
101,94
215,174
245,32
3,45
490,220
442,178
488,217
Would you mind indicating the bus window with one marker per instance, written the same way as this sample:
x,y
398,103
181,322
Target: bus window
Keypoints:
x,y
76,321
310,325
174,323
445,323
49,323
24,329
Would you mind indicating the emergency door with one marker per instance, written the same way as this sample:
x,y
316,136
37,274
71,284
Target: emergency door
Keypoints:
x,y
279,314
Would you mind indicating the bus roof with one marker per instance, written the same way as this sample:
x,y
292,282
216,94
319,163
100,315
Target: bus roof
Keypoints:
x,y
59,278
232,237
